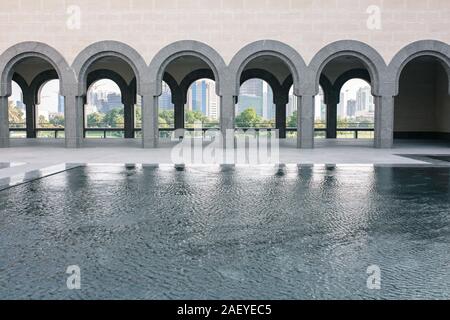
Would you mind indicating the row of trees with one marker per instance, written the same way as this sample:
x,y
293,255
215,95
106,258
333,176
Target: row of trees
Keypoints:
x,y
250,119
16,116
17,119
167,118
115,119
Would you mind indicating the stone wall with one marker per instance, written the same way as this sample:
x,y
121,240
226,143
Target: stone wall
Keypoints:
x,y
225,25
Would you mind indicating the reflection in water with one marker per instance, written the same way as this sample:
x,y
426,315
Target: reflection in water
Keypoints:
x,y
228,233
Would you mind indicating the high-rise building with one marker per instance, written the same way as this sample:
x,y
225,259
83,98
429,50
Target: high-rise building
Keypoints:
x,y
202,97
20,105
165,100
351,108
364,99
292,104
320,108
252,87
113,100
268,107
341,106
212,101
61,104
197,99
258,95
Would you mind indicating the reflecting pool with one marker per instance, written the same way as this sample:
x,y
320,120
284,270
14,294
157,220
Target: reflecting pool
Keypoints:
x,y
228,233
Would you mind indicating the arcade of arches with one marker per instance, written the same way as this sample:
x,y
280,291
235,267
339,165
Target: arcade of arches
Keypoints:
x,y
110,92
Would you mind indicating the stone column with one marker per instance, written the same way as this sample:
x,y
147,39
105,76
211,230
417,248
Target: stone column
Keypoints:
x,y
4,123
29,99
384,121
150,130
332,102
74,122
280,115
305,122
227,113
128,101
178,106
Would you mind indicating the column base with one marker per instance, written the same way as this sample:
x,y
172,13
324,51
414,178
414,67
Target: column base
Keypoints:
x,y
306,144
383,144
73,143
4,143
149,143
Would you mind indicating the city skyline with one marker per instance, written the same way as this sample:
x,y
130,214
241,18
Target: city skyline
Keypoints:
x,y
202,97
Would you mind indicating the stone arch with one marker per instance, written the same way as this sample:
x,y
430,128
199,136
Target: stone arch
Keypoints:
x,y
38,82
178,49
324,82
351,74
171,82
21,82
437,49
373,61
262,75
193,76
273,48
110,75
31,49
116,49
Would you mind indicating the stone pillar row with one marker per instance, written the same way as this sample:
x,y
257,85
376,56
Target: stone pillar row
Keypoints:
x,y
384,109
129,100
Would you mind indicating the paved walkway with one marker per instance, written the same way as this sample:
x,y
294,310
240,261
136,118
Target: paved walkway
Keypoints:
x,y
111,151
28,155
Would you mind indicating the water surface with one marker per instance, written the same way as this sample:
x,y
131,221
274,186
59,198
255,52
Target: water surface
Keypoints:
x,y
243,233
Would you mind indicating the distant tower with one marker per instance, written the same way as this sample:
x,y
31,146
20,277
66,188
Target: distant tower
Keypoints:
x,y
341,106
61,104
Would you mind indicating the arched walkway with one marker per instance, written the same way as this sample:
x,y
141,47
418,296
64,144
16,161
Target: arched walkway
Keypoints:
x,y
346,59
394,87
184,61
421,73
274,62
43,57
115,60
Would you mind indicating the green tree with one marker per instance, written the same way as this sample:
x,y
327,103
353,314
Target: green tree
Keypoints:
x,y
114,118
138,116
166,118
16,116
292,120
43,122
95,120
193,116
57,121
342,123
248,119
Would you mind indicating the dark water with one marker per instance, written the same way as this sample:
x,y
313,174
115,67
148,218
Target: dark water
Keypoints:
x,y
244,233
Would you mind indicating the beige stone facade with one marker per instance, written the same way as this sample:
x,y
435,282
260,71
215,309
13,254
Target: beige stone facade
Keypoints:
x,y
225,25
401,47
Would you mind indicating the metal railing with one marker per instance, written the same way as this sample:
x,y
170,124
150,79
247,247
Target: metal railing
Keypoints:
x,y
103,132
21,127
